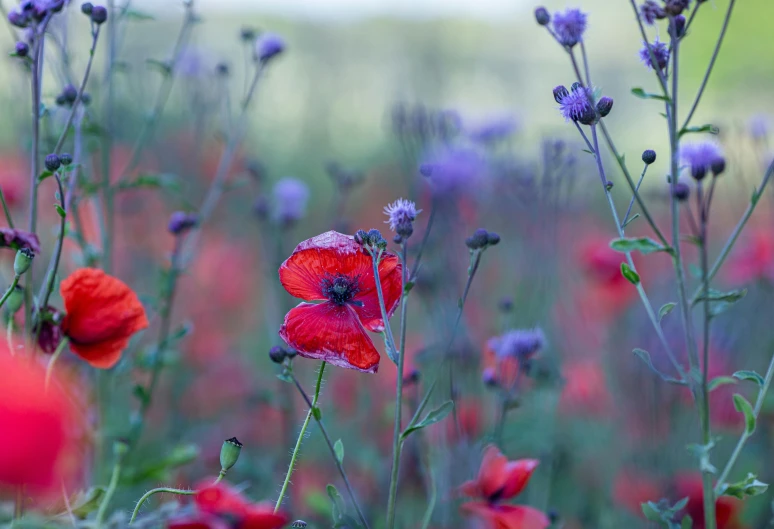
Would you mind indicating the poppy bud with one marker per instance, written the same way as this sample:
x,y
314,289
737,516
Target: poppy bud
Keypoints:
x,y
718,165
86,8
492,239
52,162
560,92
23,261
277,354
542,16
99,14
15,300
649,156
22,49
299,524
604,106
65,158
229,453
681,191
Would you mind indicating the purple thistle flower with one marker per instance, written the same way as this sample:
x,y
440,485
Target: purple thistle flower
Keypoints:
x,y
759,126
453,169
402,214
660,52
180,222
290,196
493,130
569,26
651,11
703,157
268,46
576,104
519,344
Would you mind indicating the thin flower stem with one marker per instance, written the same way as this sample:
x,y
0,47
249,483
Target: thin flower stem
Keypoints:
x,y
726,250
332,449
690,19
48,285
634,197
301,435
106,189
375,258
10,290
659,74
428,516
397,445
181,492
711,65
6,210
745,436
111,490
79,97
423,244
50,367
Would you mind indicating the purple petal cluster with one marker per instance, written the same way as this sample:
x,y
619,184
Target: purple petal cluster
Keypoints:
x,y
268,46
290,196
651,11
401,213
454,169
576,105
494,130
660,52
569,26
519,344
702,158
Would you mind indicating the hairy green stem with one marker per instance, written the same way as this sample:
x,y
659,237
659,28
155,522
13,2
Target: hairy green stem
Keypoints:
x,y
10,290
111,490
181,492
301,434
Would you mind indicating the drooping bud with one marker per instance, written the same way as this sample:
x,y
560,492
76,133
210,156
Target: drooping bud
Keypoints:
x,y
560,92
229,453
649,156
23,261
15,300
52,162
604,106
542,16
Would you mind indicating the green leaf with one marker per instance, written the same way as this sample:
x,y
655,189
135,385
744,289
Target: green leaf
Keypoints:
x,y
337,503
60,210
751,376
750,486
391,352
643,355
45,174
285,377
432,417
712,129
338,448
643,245
165,181
728,297
687,522
630,219
88,502
651,511
720,381
408,287
642,94
744,407
702,453
665,309
630,274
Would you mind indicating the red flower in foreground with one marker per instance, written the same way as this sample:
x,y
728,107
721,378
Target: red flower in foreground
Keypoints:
x,y
37,444
224,502
334,269
499,480
102,315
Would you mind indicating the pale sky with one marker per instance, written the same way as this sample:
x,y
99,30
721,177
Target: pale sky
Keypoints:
x,y
355,8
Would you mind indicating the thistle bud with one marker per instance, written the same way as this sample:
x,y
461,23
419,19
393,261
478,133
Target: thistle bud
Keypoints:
x,y
478,240
426,169
542,16
277,354
576,86
680,26
66,158
681,191
70,93
229,453
180,222
604,106
52,162
86,8
247,34
99,14
560,92
718,165
361,237
22,49
649,156
23,261
492,239
298,524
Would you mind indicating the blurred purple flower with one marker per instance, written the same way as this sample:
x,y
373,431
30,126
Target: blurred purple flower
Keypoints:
x,y
660,52
290,196
519,344
18,239
759,126
569,26
702,157
651,11
268,46
402,214
493,130
180,222
576,105
453,169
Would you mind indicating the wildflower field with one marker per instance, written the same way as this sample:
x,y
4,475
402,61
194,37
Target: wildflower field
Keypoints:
x,y
263,273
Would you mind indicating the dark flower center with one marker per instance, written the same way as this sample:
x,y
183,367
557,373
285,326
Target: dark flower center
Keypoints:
x,y
340,289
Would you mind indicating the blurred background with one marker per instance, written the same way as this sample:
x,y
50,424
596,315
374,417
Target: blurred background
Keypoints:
x,y
365,92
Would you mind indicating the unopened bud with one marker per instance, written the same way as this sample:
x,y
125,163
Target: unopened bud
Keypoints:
x,y
99,15
478,240
277,354
66,158
718,165
15,300
649,156
560,92
23,261
52,162
229,453
681,191
86,8
22,49
542,16
604,106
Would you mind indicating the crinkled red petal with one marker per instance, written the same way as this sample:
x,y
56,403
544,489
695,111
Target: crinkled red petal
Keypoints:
x,y
367,298
332,333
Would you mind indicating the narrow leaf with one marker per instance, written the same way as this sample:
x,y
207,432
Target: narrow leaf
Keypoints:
x,y
751,376
642,244
338,447
630,274
720,381
665,309
744,407
432,417
643,355
642,94
60,210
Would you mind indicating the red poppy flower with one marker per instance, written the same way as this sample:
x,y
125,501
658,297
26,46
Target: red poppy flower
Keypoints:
x,y
334,269
37,448
755,260
197,521
727,509
223,501
499,479
102,315
507,516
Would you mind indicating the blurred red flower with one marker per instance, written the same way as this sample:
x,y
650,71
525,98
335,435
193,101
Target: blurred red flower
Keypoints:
x,y
223,501
585,389
38,445
754,260
334,269
498,480
102,315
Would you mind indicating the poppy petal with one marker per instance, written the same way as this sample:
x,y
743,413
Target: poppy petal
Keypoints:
x,y
517,474
327,254
507,516
102,355
332,333
367,298
492,473
262,516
